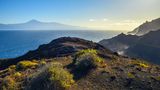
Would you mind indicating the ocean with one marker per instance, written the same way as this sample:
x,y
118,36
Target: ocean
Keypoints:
x,y
17,43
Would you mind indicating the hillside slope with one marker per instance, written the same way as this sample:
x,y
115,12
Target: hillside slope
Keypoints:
x,y
145,47
64,46
119,42
146,27
77,64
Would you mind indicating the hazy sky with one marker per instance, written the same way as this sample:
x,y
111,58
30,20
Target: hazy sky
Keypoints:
x,y
98,14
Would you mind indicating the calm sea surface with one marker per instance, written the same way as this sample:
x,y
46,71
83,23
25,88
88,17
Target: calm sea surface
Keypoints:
x,y
16,43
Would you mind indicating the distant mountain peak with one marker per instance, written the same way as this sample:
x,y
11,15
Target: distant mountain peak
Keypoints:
x,y
39,25
34,21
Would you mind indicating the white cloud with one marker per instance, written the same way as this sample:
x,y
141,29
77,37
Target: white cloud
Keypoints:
x,y
92,20
105,19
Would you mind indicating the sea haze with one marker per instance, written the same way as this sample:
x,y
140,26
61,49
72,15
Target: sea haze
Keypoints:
x,y
16,43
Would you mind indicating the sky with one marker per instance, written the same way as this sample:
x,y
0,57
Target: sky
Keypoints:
x,y
96,14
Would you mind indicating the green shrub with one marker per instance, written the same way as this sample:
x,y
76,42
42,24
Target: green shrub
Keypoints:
x,y
26,64
89,58
59,77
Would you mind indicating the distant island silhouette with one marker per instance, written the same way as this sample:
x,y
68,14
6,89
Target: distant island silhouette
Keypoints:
x,y
38,25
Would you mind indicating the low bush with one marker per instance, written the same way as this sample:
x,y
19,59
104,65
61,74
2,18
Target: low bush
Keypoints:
x,y
26,64
59,77
89,58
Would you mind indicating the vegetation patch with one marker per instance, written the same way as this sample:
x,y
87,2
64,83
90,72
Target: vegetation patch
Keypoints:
x,y
8,83
143,65
86,60
89,51
22,65
140,63
90,58
59,77
12,67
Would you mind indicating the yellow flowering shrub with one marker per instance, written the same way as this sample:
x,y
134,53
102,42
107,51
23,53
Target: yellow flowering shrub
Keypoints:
x,y
91,56
60,77
26,64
